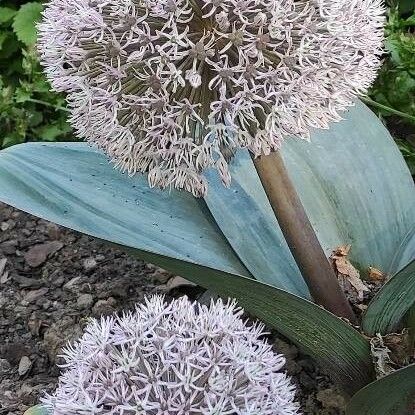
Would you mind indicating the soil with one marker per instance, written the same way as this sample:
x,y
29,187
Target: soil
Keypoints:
x,y
52,279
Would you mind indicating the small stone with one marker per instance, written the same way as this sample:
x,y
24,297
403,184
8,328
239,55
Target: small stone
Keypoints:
x,y
26,232
292,367
34,295
112,301
6,226
118,288
46,304
307,365
331,398
56,278
38,254
160,275
103,307
24,365
5,367
306,381
89,264
12,223
58,282
177,282
56,336
288,350
34,324
25,282
9,247
4,278
53,230
84,301
3,263
15,214
70,285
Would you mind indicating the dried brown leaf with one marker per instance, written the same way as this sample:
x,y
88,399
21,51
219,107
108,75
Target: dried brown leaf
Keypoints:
x,y
400,346
348,275
342,250
376,275
381,357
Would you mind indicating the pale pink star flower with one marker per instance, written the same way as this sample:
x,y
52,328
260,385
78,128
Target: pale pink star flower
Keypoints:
x,y
174,87
177,358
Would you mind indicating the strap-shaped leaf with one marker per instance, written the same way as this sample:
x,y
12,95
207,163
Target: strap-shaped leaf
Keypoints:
x,y
356,188
74,186
406,251
246,218
391,303
391,395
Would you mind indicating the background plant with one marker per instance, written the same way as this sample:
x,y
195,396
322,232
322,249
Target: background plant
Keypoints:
x,y
29,111
393,95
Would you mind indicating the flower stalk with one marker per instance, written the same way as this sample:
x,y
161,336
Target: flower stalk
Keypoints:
x,y
300,236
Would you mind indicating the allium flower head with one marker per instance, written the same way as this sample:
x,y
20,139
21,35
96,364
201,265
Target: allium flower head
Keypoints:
x,y
177,358
173,87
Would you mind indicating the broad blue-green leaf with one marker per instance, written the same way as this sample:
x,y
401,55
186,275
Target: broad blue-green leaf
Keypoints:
x,y
392,395
406,251
356,189
74,186
37,410
248,222
391,303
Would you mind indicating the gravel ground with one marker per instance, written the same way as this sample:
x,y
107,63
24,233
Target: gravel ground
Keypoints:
x,y
52,279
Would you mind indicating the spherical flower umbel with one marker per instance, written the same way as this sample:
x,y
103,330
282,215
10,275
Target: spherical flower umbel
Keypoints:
x,y
173,87
173,359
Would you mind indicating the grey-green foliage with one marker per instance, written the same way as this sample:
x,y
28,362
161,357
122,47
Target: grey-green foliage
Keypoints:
x,y
395,86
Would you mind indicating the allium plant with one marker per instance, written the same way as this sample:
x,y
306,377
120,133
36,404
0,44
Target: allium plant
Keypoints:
x,y
176,358
173,87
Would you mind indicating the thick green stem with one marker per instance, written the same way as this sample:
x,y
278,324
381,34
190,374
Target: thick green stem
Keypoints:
x,y
300,236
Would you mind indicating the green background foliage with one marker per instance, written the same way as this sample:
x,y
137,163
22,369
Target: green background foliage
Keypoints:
x,y
395,86
28,110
